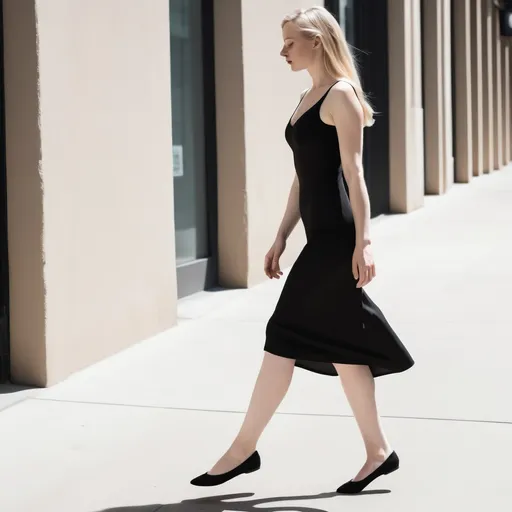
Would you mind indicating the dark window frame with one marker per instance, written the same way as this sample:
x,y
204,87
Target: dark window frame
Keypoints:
x,y
202,274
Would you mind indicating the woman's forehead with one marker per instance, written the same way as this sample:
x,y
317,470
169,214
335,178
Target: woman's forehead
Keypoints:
x,y
290,30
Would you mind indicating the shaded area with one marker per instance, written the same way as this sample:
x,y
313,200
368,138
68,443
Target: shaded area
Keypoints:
x,y
12,394
13,388
239,503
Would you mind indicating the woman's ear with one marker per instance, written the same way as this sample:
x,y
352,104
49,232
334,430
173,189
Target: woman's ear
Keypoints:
x,y
317,43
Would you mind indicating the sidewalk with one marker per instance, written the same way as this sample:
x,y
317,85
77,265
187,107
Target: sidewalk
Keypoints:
x,y
129,433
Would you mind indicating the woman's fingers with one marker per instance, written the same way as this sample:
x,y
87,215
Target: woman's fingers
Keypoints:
x,y
355,267
267,267
276,271
367,274
364,276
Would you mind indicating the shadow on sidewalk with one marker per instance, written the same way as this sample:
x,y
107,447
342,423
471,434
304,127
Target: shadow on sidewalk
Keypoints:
x,y
7,388
235,502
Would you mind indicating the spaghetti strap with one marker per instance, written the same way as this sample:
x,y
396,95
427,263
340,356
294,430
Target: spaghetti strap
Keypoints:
x,y
303,95
318,104
353,87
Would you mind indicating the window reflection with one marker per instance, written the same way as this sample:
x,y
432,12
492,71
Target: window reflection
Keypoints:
x,y
190,208
346,19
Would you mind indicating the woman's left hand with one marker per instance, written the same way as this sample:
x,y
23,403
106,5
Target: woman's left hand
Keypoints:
x,y
363,266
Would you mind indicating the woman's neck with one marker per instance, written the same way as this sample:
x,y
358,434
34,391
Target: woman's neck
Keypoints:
x,y
319,75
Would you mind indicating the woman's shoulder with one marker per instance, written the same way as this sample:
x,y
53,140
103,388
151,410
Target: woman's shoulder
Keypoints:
x,y
344,95
344,88
343,101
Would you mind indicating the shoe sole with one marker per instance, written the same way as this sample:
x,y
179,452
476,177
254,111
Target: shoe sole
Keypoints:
x,y
252,471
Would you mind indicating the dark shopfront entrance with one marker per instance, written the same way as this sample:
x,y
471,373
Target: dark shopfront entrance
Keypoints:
x,y
365,23
4,264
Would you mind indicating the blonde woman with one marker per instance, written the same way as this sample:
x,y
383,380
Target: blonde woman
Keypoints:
x,y
324,322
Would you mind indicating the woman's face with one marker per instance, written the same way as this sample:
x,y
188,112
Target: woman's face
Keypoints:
x,y
298,50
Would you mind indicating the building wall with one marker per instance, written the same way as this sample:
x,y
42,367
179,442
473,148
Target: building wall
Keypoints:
x,y
89,181
90,185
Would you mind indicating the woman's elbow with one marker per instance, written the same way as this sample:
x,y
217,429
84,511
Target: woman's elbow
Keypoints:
x,y
353,173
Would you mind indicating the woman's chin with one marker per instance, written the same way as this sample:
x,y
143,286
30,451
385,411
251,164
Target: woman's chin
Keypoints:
x,y
295,67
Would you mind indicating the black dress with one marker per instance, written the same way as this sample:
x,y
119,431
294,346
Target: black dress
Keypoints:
x,y
321,317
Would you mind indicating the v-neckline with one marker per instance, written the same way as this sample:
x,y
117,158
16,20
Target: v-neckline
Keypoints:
x,y
310,108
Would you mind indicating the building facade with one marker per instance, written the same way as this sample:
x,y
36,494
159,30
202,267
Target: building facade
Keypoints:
x,y
143,151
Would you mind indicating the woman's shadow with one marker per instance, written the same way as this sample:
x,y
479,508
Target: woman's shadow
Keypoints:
x,y
238,503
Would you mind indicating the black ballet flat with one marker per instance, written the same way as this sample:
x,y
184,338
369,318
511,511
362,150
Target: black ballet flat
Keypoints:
x,y
392,463
252,464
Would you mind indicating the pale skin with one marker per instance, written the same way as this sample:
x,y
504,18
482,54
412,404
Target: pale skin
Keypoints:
x,y
341,109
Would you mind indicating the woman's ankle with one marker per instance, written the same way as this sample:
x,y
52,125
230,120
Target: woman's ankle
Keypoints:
x,y
378,453
242,448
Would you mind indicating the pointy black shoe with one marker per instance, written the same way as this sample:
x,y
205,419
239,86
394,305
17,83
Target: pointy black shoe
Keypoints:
x,y
391,464
252,464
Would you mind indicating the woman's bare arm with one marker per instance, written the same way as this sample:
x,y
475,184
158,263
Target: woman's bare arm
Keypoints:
x,y
291,215
347,114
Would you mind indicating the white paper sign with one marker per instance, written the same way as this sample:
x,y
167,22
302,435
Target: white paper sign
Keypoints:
x,y
177,161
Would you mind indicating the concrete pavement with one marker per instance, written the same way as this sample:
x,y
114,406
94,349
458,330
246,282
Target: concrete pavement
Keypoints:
x,y
129,433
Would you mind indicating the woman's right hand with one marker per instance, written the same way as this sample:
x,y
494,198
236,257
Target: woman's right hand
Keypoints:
x,y
271,266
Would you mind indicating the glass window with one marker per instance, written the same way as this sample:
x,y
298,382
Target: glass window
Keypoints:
x,y
346,19
188,133
343,11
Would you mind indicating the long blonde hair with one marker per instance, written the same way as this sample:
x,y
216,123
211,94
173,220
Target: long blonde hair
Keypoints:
x,y
338,59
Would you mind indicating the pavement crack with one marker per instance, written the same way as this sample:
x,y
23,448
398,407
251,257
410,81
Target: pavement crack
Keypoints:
x,y
279,413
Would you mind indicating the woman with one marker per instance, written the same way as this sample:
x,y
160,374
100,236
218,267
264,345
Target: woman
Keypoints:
x,y
324,321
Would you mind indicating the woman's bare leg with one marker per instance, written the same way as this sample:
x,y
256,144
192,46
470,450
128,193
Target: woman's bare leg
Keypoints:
x,y
271,386
359,386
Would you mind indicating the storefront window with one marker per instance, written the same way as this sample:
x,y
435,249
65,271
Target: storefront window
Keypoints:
x,y
188,131
343,11
346,10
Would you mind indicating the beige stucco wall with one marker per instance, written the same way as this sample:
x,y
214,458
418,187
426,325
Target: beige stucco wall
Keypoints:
x,y
507,149
476,88
497,93
100,165
405,106
272,92
463,99
432,39
488,87
24,193
256,94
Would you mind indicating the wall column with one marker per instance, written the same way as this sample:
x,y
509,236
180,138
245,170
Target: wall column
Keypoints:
x,y
90,203
446,65
463,98
506,100
476,87
497,90
254,163
24,195
438,96
405,114
433,85
231,151
487,83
